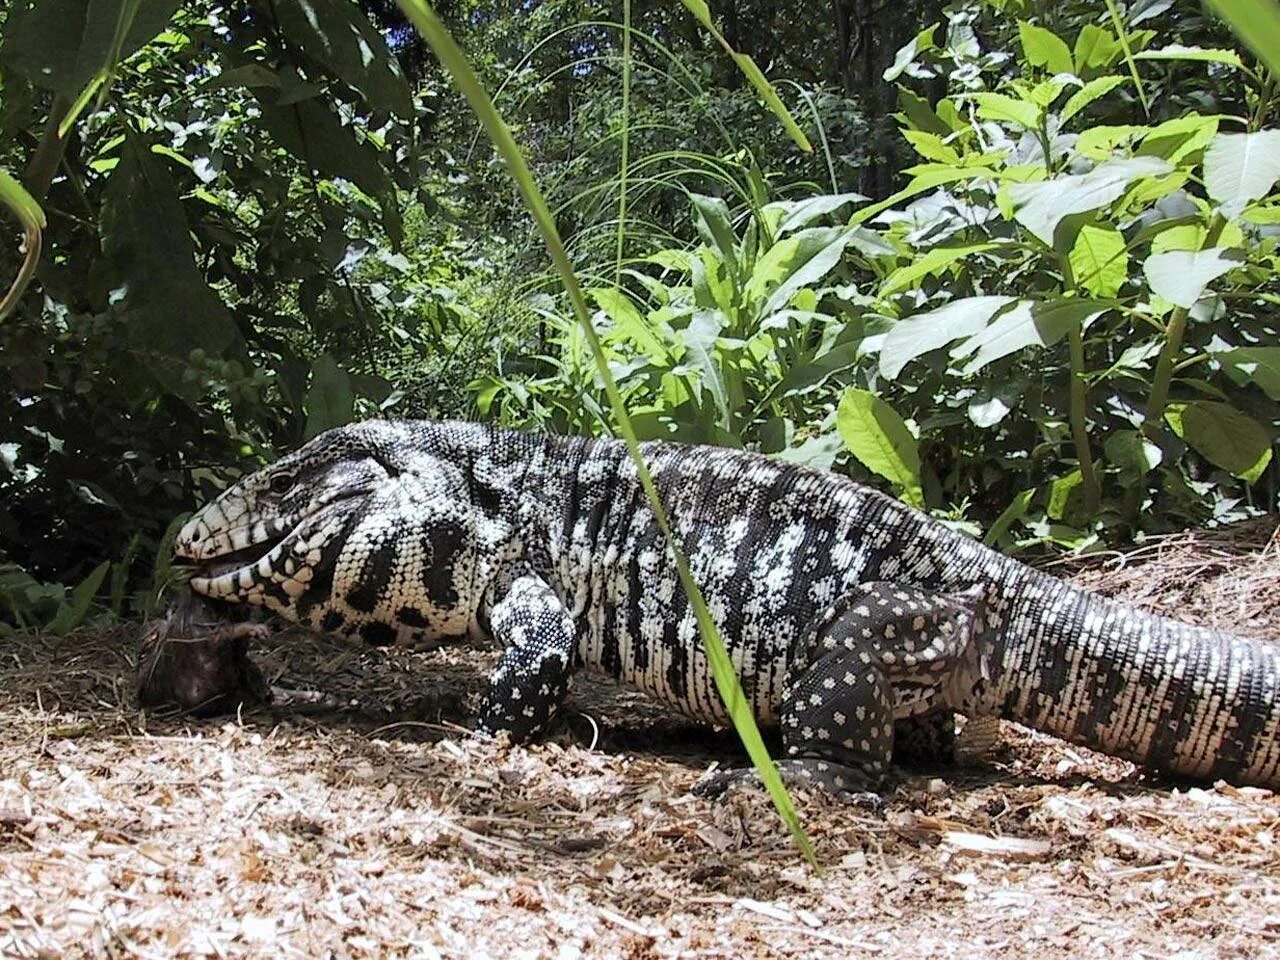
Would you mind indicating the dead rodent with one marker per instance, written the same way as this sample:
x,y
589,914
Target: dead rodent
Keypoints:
x,y
195,657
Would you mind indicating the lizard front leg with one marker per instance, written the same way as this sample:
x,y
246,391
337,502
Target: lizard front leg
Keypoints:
x,y
882,653
532,678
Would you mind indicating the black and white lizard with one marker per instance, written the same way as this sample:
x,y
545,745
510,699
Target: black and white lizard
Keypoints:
x,y
841,608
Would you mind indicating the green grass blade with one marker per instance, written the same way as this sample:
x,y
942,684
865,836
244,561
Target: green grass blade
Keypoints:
x,y
455,62
1123,36
625,145
101,81
28,213
1257,23
753,74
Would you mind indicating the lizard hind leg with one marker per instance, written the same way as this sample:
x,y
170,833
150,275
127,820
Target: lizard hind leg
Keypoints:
x,y
837,730
837,724
883,653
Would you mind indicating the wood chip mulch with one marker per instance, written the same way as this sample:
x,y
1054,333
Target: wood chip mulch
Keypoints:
x,y
368,823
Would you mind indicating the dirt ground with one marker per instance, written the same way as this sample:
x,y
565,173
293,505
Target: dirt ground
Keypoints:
x,y
380,829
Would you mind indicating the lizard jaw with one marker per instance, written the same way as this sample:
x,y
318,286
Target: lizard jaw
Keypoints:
x,y
228,575
235,560
285,561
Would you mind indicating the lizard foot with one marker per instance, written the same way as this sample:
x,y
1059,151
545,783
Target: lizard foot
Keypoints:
x,y
845,783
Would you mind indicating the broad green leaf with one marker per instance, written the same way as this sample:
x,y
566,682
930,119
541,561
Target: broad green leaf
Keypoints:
x,y
1060,493
930,146
330,399
371,387
801,260
72,613
936,259
1223,435
1015,511
1257,23
681,261
1176,51
146,237
1044,93
1044,48
920,182
628,323
818,451
1091,91
915,336
312,133
1132,453
1180,276
1041,206
1268,215
1176,139
249,75
61,45
1193,234
713,283
1099,261
339,35
950,115
700,339
1239,167
921,116
1029,323
1146,191
907,53
804,377
998,106
715,225
484,390
798,214
1094,47
1259,365
1097,143
875,434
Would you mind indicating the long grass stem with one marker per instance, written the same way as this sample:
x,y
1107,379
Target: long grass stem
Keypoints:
x,y
455,62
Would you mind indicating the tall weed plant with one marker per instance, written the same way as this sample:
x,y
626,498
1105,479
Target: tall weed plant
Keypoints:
x,y
1062,328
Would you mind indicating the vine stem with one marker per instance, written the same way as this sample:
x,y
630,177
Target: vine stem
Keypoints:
x,y
1079,421
1078,410
1174,331
48,154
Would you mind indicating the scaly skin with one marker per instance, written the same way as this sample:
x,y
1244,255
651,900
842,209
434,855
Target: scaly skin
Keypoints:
x,y
841,608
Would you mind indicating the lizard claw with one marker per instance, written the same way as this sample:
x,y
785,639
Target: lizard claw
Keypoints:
x,y
800,774
716,783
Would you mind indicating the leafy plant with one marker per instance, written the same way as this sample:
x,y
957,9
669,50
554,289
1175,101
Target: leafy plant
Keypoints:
x,y
47,607
1107,228
1054,271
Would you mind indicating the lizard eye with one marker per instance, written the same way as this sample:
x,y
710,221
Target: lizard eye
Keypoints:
x,y
282,483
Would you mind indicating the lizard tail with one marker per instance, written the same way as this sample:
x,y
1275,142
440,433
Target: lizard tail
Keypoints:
x,y
1179,699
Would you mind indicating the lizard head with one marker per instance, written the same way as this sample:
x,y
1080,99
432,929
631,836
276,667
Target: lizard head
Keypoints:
x,y
361,531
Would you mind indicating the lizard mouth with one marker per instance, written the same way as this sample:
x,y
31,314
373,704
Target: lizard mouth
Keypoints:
x,y
236,559
229,575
